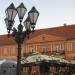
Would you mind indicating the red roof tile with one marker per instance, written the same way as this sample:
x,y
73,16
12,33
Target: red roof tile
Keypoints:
x,y
67,32
4,40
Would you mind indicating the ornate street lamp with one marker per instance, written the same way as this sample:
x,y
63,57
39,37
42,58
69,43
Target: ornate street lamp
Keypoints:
x,y
33,14
19,33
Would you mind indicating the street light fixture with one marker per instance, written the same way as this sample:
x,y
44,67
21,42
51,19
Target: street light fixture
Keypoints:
x,y
21,9
19,33
33,16
27,24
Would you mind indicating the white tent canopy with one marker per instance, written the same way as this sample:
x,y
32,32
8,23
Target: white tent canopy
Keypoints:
x,y
37,57
73,62
41,57
64,61
2,61
53,57
7,61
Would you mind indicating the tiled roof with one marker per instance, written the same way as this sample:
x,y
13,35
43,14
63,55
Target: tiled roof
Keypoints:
x,y
67,32
4,40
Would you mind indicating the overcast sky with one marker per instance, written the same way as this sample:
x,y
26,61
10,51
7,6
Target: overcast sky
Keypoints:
x,y
53,13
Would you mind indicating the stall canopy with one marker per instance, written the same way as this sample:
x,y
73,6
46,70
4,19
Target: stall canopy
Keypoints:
x,y
42,58
73,62
37,58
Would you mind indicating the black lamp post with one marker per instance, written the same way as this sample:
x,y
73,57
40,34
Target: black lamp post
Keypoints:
x,y
19,33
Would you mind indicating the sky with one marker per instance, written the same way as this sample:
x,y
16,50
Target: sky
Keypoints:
x,y
53,13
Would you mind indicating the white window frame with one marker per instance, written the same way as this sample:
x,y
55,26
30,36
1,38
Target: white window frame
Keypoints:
x,y
13,51
69,46
31,50
5,51
57,47
43,49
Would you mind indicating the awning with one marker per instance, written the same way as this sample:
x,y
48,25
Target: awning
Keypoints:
x,y
37,58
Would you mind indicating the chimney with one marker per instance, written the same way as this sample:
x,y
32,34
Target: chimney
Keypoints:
x,y
65,24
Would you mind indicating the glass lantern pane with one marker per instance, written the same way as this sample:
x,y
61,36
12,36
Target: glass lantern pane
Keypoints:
x,y
6,14
11,12
14,14
35,17
21,12
27,25
9,15
6,21
31,16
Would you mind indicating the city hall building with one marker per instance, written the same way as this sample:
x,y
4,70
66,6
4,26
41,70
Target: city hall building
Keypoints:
x,y
59,41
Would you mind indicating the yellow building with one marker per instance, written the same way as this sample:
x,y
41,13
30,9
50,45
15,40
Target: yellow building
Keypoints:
x,y
59,41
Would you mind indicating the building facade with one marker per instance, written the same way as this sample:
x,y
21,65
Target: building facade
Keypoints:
x,y
59,41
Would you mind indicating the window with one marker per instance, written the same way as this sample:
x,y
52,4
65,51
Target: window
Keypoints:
x,y
5,51
31,49
43,49
51,47
13,51
69,46
57,47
